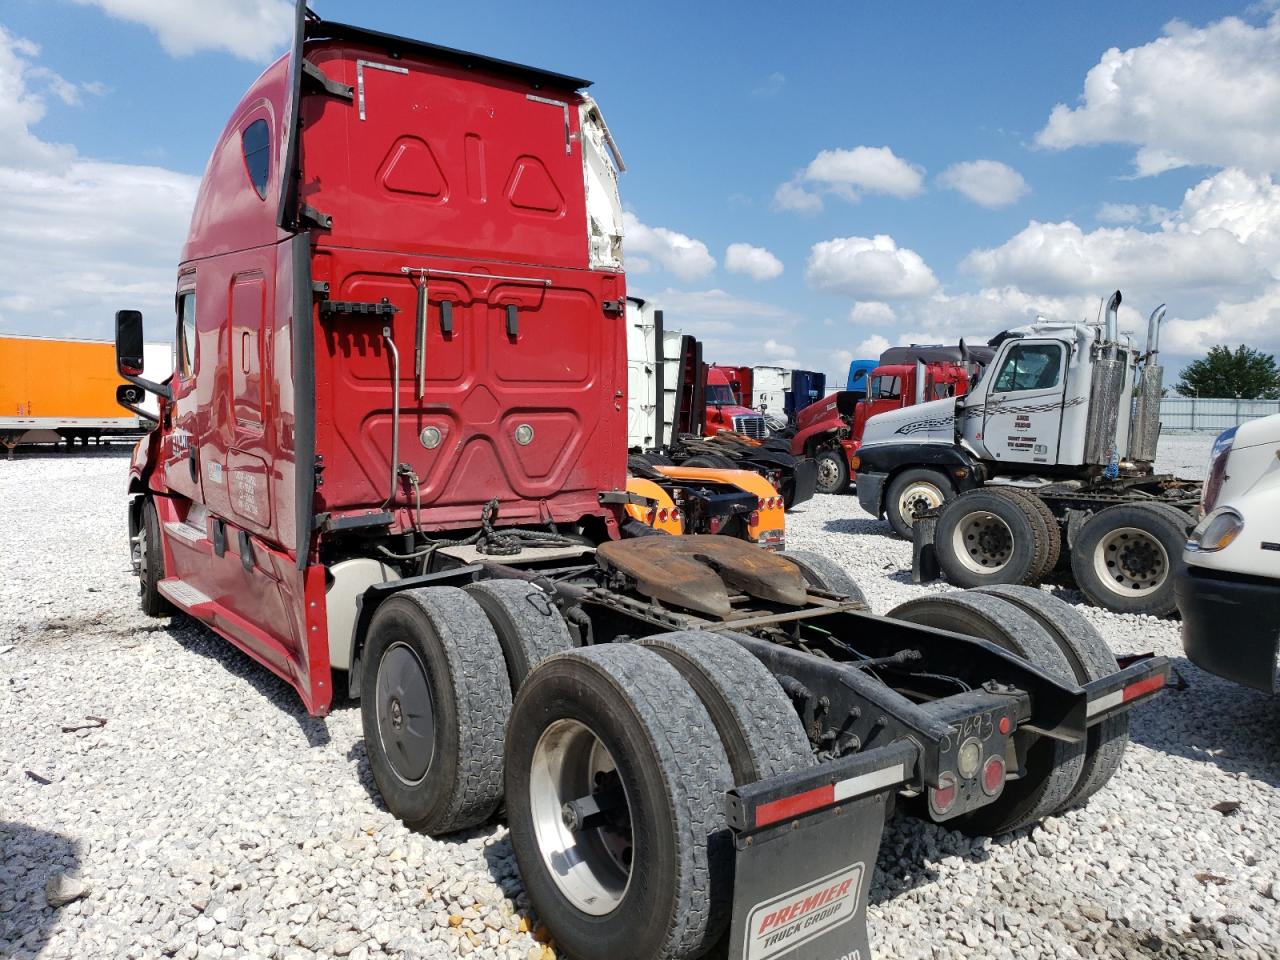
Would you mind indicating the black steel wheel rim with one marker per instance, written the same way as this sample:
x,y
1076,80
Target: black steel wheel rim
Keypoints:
x,y
406,719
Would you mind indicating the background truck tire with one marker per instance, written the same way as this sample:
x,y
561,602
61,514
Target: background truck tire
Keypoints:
x,y
1091,659
151,570
1053,767
1052,532
528,623
825,574
833,471
434,705
914,489
758,726
1127,557
986,536
672,898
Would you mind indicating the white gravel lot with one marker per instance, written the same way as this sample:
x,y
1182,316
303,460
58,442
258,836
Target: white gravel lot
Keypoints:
x,y
210,817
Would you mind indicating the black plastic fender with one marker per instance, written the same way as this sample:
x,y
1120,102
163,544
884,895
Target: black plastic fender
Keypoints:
x,y
963,469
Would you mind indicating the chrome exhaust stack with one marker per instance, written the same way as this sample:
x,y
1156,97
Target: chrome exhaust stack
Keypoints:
x,y
1144,426
1105,392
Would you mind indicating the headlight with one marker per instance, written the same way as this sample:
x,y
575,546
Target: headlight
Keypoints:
x,y
1216,531
1217,468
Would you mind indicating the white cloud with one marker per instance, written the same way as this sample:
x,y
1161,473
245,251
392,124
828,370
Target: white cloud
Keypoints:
x,y
1207,95
865,169
848,174
872,347
779,351
987,183
770,86
873,268
791,196
756,262
79,238
870,313
22,105
1119,213
687,258
252,29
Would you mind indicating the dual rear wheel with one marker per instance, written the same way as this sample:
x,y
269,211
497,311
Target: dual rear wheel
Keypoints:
x,y
613,760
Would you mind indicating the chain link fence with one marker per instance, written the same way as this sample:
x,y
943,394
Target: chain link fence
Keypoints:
x,y
1212,414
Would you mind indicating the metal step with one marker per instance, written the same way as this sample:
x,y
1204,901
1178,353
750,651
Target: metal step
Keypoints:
x,y
184,531
183,593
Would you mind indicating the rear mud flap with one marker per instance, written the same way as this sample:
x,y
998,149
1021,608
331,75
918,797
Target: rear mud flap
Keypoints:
x,y
801,880
924,554
802,893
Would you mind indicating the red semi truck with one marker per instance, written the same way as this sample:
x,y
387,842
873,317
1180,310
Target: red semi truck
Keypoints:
x,y
830,430
391,458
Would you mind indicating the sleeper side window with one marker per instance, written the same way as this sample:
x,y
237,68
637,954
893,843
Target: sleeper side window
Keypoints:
x,y
256,141
186,333
1031,366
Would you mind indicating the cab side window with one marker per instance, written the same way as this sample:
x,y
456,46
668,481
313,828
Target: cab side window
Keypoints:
x,y
1032,366
886,388
186,333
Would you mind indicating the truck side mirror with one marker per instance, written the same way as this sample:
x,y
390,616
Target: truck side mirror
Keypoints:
x,y
129,354
129,343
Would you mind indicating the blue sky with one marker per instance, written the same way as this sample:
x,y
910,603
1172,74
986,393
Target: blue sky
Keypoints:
x,y
827,135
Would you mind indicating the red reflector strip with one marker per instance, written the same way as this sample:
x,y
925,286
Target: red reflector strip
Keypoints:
x,y
1135,690
793,806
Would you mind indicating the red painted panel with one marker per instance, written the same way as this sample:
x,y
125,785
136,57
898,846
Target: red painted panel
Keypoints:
x,y
444,161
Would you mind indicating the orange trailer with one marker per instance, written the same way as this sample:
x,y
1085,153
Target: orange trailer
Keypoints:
x,y
59,389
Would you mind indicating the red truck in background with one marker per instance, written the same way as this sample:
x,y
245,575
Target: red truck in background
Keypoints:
x,y
728,398
830,430
392,457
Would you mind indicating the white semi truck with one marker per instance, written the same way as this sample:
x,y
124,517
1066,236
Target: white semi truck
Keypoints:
x,y
1229,591
1047,460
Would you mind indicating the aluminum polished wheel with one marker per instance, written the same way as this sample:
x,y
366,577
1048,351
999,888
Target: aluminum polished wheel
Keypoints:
x,y
983,542
406,721
581,817
1131,561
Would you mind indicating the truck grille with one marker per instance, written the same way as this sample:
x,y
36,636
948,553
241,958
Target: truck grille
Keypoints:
x,y
752,427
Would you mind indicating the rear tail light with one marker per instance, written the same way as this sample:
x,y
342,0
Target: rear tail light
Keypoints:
x,y
715,523
663,515
1005,726
675,514
993,776
652,516
969,758
753,519
943,798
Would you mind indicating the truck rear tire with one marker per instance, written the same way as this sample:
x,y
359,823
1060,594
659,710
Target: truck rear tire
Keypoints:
x,y
758,726
1052,768
1127,557
833,471
151,563
1051,541
914,491
1091,659
818,571
651,874
528,623
434,705
987,536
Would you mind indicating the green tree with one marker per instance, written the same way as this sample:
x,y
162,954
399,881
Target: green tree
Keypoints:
x,y
1243,372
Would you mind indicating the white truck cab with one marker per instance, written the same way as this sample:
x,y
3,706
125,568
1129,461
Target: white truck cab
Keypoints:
x,y
1229,594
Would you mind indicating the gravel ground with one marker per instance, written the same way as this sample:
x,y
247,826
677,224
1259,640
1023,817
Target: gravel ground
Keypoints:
x,y
210,817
